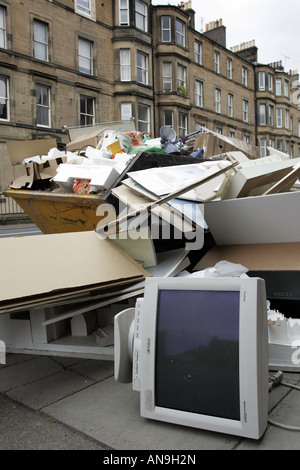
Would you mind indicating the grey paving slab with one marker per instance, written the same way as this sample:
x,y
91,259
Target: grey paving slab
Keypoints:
x,y
287,413
12,359
49,389
93,369
68,361
279,392
109,413
27,371
24,429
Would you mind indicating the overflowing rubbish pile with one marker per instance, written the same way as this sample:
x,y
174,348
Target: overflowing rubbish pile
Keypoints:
x,y
92,163
231,213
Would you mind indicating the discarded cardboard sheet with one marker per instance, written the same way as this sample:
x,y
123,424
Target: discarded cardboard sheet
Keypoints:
x,y
94,305
20,149
62,263
122,126
48,168
25,171
137,244
163,200
139,190
282,155
162,181
82,141
24,175
255,179
170,263
257,257
189,210
258,219
215,144
130,197
287,182
171,213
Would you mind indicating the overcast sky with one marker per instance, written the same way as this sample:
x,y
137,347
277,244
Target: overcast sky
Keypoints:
x,y
274,24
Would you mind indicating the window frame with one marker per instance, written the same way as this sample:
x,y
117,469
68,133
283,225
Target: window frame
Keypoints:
x,y
271,115
39,43
198,52
167,79
199,93
124,113
286,119
141,16
86,116
278,89
165,29
180,35
171,113
125,68
5,98
217,62
142,70
126,10
261,81
229,68
230,104
270,81
82,9
279,118
142,122
43,106
245,76
286,88
263,147
287,146
262,115
181,77
182,124
86,58
245,111
3,28
218,100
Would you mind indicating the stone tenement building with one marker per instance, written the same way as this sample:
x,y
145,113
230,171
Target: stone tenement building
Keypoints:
x,y
82,62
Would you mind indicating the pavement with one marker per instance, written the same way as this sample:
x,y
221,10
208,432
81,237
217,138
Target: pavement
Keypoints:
x,y
57,403
70,403
23,228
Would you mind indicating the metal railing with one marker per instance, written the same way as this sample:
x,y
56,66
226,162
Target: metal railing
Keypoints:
x,y
9,207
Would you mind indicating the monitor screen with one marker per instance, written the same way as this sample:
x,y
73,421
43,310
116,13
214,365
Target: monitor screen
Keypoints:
x,y
197,352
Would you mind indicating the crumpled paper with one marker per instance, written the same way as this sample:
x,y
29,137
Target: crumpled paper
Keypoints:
x,y
221,269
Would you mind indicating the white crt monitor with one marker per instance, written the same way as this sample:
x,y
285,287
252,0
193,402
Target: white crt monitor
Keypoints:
x,y
197,351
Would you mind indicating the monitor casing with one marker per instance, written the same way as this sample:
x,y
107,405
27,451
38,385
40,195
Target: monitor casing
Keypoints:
x,y
135,354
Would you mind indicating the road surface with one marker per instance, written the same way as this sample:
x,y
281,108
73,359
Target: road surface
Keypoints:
x,y
18,230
